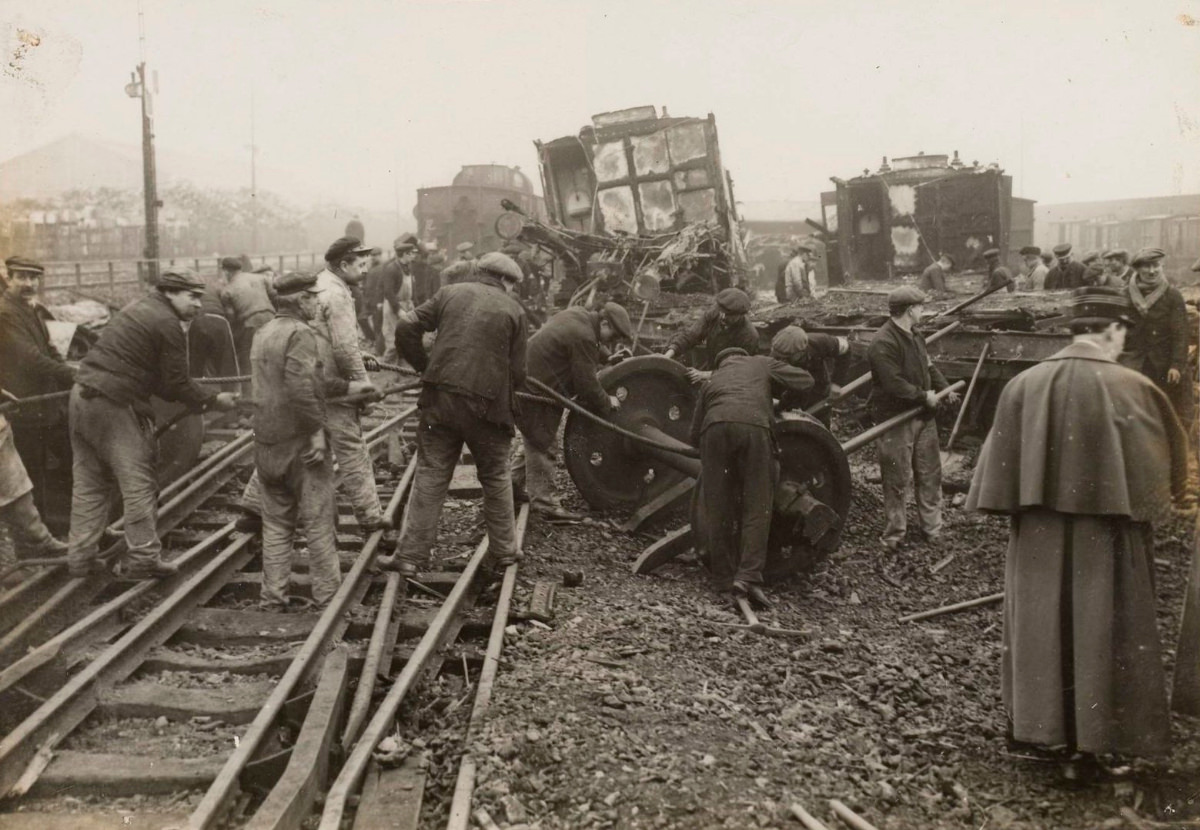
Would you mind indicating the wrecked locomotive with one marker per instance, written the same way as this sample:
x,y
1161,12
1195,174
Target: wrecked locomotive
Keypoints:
x,y
466,210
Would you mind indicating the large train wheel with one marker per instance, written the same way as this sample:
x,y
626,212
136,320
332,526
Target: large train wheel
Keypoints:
x,y
611,471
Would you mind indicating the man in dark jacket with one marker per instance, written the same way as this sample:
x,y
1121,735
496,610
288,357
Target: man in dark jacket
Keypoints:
x,y
723,326
1157,345
142,352
732,425
812,352
1066,274
565,355
247,301
468,396
998,275
397,290
291,455
29,366
903,376
933,278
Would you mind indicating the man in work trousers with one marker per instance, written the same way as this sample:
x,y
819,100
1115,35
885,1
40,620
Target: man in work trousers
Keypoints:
x,y
564,354
724,325
903,377
248,303
30,366
1083,455
294,466
17,510
798,276
142,352
732,425
468,396
1158,345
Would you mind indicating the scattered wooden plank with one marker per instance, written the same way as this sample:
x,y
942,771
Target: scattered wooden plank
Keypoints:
x,y
958,606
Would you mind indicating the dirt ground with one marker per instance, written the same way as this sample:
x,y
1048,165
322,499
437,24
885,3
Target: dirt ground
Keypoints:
x,y
639,708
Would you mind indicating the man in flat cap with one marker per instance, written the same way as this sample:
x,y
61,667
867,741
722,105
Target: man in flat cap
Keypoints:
x,y
732,425
1066,274
1093,268
397,292
1033,277
291,452
465,252
1157,346
30,366
903,377
933,278
336,325
469,383
1081,664
248,302
998,275
799,276
1118,273
724,325
813,352
141,352
565,355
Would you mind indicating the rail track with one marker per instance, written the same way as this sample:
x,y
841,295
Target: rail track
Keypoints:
x,y
180,704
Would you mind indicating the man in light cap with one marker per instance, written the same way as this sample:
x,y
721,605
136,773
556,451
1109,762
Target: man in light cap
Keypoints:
x,y
723,326
903,376
811,352
998,275
1083,456
1034,276
141,352
933,278
1157,345
468,396
248,301
1066,274
564,354
732,425
799,276
1117,270
291,453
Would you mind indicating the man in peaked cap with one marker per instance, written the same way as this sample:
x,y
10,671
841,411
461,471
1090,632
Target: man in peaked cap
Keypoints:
x,y
903,376
998,275
564,354
1035,271
1158,345
732,425
469,383
1066,273
1081,664
140,353
724,325
291,452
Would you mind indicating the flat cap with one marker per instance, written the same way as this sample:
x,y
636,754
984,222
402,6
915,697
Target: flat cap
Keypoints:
x,y
180,279
294,282
991,253
1090,257
231,263
22,263
344,247
789,344
1101,304
1117,253
501,266
1031,250
463,247
618,318
512,249
730,352
405,242
1062,249
733,301
263,269
1147,255
906,295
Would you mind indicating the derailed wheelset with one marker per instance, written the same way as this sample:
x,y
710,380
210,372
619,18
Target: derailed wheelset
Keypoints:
x,y
657,403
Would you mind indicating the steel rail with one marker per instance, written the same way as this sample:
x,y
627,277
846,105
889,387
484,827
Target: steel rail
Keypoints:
x,y
25,751
222,793
350,777
464,787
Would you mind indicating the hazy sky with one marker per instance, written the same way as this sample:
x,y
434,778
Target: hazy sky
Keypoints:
x,y
359,101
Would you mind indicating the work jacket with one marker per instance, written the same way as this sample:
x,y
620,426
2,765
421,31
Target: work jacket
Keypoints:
x,y
999,276
289,399
143,352
248,299
901,371
741,389
29,363
1159,341
933,278
336,324
715,337
1061,279
397,286
479,352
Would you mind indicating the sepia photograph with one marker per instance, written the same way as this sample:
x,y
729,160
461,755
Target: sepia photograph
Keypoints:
x,y
612,414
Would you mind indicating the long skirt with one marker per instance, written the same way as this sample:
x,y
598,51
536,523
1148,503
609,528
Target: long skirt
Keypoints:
x,y
1082,666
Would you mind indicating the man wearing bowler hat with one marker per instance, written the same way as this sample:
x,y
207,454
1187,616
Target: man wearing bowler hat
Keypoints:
x,y
141,352
1067,274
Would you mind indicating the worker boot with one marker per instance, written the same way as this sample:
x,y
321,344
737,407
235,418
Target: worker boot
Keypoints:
x,y
395,563
156,569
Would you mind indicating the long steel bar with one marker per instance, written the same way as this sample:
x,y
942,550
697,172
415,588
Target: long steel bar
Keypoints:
x,y
867,436
983,353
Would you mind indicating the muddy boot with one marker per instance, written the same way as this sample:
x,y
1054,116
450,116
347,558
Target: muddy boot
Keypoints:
x,y
157,569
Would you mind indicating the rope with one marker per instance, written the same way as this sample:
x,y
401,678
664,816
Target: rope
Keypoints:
x,y
690,452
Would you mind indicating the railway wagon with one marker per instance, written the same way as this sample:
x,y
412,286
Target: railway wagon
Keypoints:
x,y
466,210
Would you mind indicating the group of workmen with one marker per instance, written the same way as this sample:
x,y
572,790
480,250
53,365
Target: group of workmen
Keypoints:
x,y
1084,454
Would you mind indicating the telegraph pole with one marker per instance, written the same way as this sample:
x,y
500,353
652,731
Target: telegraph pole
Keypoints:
x,y
138,88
